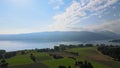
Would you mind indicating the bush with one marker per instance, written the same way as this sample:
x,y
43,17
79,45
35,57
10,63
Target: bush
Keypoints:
x,y
61,66
3,64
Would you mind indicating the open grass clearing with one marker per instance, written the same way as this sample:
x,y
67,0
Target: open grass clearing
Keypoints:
x,y
97,59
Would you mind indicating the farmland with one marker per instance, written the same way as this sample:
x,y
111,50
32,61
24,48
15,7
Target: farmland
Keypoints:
x,y
44,60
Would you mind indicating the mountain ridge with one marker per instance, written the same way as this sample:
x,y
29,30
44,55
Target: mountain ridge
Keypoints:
x,y
62,36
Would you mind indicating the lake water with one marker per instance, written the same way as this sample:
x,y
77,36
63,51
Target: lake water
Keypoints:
x,y
20,45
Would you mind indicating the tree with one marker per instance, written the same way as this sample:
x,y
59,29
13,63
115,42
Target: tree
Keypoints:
x,y
10,54
3,64
23,52
61,66
113,51
33,57
1,53
69,66
90,65
56,48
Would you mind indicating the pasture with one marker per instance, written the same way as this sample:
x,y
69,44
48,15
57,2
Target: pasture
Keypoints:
x,y
44,60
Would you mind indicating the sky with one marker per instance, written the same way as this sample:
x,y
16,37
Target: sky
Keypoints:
x,y
27,16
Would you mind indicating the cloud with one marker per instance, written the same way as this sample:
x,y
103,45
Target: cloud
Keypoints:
x,y
56,7
107,25
113,26
57,3
79,10
68,17
96,5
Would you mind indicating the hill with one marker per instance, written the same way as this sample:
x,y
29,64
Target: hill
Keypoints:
x,y
61,36
117,41
45,60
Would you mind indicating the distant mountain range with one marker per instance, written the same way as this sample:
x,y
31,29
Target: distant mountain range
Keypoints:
x,y
62,36
116,41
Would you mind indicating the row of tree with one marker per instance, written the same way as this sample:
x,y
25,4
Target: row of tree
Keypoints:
x,y
4,54
113,51
79,64
83,64
63,47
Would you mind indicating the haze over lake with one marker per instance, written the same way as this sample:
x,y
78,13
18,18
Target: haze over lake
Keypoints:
x,y
20,45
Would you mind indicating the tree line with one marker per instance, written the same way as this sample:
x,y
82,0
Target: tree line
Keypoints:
x,y
79,64
63,47
113,51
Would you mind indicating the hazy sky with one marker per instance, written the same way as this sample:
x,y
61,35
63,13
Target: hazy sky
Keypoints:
x,y
26,16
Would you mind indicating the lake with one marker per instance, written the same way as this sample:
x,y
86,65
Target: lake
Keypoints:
x,y
20,45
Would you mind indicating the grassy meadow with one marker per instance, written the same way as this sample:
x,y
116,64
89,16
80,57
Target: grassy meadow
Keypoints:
x,y
44,60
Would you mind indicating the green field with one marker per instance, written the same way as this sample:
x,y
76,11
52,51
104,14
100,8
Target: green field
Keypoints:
x,y
98,60
90,54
